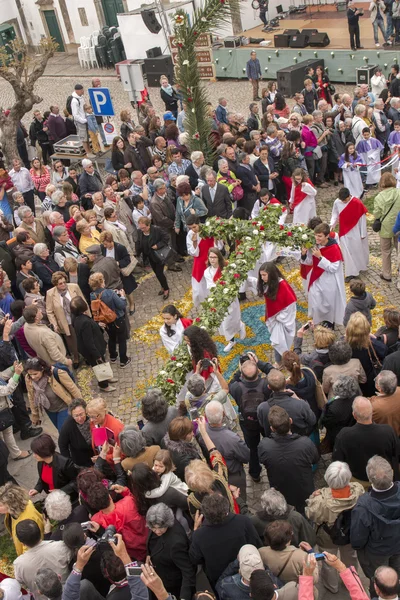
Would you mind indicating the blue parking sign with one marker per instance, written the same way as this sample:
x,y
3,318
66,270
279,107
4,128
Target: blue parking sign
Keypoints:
x,y
100,99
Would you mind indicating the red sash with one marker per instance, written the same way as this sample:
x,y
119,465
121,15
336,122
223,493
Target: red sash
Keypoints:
x,y
186,323
284,298
304,270
299,195
218,274
350,215
200,261
332,252
276,201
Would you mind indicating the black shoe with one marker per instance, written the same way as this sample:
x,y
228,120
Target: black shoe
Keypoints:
x,y
256,99
349,278
31,432
16,429
180,259
256,479
176,268
113,360
125,364
242,297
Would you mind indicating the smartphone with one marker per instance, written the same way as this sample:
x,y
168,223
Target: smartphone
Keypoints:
x,y
140,424
90,542
193,413
110,436
319,556
307,326
131,571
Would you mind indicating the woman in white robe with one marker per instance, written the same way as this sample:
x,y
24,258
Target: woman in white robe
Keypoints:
x,y
349,163
302,197
171,332
232,323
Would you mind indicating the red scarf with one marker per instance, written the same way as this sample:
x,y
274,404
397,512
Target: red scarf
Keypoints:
x,y
350,215
331,252
304,270
284,298
299,195
200,261
218,275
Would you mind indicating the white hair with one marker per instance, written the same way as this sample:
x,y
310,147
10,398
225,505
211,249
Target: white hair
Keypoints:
x,y
58,505
182,179
214,412
338,475
196,155
56,196
23,211
379,472
54,216
39,248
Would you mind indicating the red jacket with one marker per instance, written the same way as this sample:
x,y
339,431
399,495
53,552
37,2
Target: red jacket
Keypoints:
x,y
128,523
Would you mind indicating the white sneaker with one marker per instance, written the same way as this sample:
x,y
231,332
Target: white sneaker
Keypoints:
x,y
229,346
242,333
389,42
377,45
110,388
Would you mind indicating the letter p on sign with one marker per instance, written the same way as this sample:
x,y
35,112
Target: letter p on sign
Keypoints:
x,y
100,99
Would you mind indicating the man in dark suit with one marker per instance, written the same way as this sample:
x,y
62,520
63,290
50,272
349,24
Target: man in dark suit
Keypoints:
x,y
264,168
250,183
216,197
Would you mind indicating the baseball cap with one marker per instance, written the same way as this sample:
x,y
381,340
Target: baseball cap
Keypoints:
x,y
249,560
168,116
95,249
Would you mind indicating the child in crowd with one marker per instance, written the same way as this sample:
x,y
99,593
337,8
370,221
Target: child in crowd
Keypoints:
x,y
370,150
389,332
302,197
19,201
349,163
140,210
164,467
361,301
93,128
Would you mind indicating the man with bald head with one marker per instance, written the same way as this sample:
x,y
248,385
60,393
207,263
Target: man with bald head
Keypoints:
x,y
356,445
375,528
248,387
303,418
386,583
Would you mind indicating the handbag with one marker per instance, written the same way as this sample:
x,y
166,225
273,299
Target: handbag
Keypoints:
x,y
377,224
6,419
103,372
129,268
375,362
237,193
319,390
331,88
163,254
317,152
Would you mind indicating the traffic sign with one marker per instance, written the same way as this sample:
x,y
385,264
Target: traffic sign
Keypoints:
x,y
100,99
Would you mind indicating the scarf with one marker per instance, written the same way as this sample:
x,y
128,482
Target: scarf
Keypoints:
x,y
341,493
84,430
169,90
66,304
39,395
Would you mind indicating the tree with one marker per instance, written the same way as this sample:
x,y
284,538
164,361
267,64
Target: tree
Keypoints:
x,y
213,15
22,70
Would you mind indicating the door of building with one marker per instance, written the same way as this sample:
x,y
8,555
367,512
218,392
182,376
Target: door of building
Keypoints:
x,y
111,8
54,29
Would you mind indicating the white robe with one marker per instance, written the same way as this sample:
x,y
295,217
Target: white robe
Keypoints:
x,y
304,211
327,296
370,156
282,328
354,245
352,180
230,326
199,288
170,343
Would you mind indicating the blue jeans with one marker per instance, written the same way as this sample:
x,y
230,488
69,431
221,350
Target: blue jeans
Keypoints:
x,y
379,24
389,25
58,418
102,134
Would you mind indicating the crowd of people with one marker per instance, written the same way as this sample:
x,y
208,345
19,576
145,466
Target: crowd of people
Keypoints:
x,y
159,506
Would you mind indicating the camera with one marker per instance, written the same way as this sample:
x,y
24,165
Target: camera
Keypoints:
x,y
206,363
244,358
108,535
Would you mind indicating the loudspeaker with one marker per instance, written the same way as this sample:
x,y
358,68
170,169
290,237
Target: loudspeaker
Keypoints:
x,y
291,79
279,9
150,20
364,74
309,32
155,67
291,31
319,40
281,40
299,41
153,52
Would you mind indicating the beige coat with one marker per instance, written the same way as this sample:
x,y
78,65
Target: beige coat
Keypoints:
x,y
47,344
147,457
67,390
38,236
119,236
55,311
276,559
353,369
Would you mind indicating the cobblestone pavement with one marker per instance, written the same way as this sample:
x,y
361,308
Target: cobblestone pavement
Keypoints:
x,y
148,358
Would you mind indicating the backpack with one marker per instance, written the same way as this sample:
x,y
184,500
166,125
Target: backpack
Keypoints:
x,y
68,105
251,399
339,532
60,366
101,312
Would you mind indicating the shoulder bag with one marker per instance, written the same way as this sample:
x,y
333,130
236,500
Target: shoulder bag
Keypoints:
x,y
128,270
319,390
285,564
375,362
103,372
377,224
163,254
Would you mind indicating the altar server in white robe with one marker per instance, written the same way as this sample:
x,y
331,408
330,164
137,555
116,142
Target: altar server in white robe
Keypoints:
x,y
302,197
198,247
349,163
232,323
370,150
353,236
174,325
326,292
280,308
